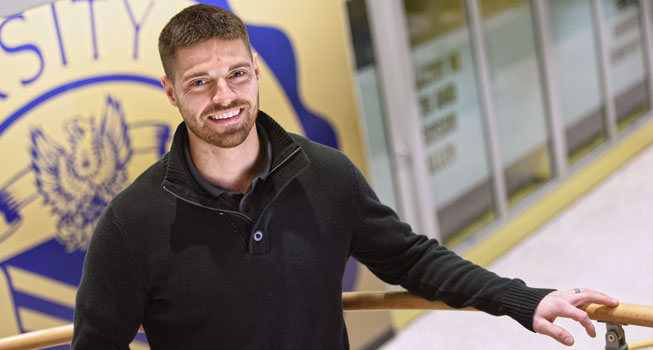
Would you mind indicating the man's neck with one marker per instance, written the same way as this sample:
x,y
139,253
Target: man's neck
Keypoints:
x,y
230,168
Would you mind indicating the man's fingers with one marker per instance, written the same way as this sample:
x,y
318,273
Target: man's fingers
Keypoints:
x,y
587,296
558,333
582,317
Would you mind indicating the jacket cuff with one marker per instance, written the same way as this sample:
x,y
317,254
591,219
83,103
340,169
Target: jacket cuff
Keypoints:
x,y
520,302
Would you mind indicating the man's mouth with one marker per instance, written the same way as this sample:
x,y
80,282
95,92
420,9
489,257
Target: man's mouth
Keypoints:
x,y
226,115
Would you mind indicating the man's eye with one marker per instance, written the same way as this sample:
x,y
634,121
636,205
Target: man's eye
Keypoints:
x,y
238,74
198,82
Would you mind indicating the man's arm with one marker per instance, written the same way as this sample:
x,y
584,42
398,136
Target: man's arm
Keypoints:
x,y
425,268
395,254
111,297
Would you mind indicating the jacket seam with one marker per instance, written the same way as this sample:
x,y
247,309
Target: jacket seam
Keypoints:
x,y
238,232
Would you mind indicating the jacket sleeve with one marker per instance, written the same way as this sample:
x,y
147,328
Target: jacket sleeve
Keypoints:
x,y
111,297
390,249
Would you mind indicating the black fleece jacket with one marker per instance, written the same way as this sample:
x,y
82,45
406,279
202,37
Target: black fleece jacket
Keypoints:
x,y
198,276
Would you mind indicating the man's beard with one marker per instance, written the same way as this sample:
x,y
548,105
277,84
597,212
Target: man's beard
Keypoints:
x,y
233,135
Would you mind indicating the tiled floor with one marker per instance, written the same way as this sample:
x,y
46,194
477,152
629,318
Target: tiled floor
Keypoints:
x,y
604,241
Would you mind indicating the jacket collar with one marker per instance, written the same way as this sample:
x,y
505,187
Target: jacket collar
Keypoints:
x,y
288,160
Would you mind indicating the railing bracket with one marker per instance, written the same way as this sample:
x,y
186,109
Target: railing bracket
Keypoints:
x,y
615,337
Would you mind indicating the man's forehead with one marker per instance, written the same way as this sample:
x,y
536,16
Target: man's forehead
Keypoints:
x,y
213,51
217,46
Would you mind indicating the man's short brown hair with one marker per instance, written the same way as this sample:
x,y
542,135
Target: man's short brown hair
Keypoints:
x,y
196,24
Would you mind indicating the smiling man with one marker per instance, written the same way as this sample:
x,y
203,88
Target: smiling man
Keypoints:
x,y
239,236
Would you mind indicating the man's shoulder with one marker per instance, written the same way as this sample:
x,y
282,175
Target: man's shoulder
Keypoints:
x,y
326,162
145,190
319,152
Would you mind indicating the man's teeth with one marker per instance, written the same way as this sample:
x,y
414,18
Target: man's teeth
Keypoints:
x,y
224,116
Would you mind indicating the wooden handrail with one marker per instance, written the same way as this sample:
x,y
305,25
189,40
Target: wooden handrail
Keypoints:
x,y
38,339
631,314
379,301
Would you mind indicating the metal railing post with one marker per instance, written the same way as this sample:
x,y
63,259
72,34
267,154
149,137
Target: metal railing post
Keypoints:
x,y
398,88
500,197
549,74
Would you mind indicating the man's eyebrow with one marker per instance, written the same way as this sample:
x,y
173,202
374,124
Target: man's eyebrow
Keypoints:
x,y
194,75
240,65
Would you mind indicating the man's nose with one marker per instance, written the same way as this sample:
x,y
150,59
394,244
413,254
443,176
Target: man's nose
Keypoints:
x,y
224,95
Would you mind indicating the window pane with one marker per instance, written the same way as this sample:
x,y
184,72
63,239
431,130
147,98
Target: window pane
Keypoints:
x,y
374,130
575,51
627,66
519,107
451,121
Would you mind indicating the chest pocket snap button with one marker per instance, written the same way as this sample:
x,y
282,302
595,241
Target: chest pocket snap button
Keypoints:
x,y
258,236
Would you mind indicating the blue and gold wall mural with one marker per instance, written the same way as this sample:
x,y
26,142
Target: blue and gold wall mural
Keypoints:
x,y
82,113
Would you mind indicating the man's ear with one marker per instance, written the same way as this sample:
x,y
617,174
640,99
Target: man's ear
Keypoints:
x,y
254,61
169,87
